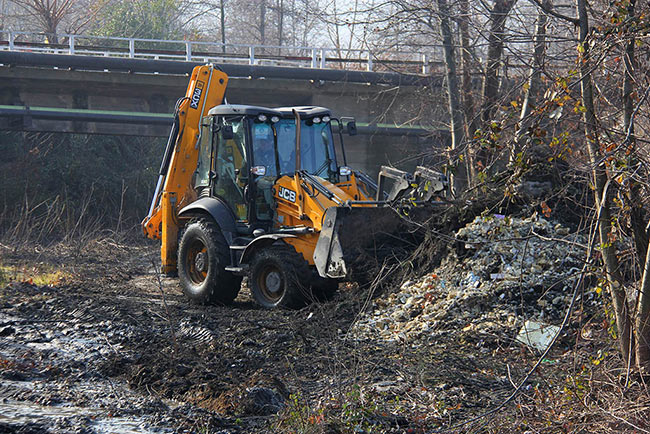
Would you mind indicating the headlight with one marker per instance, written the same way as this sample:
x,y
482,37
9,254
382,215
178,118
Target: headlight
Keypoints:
x,y
262,117
326,119
316,120
345,171
275,119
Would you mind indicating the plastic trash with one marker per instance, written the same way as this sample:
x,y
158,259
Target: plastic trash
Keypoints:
x,y
537,335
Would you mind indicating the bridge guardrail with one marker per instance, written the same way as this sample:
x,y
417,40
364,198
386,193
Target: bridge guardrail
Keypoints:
x,y
216,52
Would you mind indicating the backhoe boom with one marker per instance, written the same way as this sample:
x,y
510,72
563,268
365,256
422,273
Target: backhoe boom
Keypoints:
x,y
206,89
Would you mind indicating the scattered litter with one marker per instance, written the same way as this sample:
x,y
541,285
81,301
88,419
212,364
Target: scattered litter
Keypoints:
x,y
508,276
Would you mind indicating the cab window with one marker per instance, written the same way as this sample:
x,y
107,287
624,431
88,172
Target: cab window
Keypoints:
x,y
230,166
202,177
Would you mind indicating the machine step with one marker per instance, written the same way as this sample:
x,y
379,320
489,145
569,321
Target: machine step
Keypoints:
x,y
238,270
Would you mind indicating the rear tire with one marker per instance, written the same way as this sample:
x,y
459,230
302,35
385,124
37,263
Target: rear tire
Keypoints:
x,y
279,277
203,254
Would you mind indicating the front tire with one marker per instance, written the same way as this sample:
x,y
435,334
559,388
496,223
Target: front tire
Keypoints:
x,y
279,277
203,254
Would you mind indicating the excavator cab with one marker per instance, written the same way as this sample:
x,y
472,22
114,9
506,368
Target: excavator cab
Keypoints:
x,y
244,150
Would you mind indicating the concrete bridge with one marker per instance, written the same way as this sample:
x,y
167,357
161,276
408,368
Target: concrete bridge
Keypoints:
x,y
131,96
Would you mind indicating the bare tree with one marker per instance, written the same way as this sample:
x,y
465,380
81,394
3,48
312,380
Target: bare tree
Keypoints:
x,y
459,180
222,15
641,337
629,332
534,83
49,15
466,62
262,22
601,183
498,15
280,9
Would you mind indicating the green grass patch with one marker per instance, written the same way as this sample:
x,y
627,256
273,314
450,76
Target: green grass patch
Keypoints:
x,y
40,275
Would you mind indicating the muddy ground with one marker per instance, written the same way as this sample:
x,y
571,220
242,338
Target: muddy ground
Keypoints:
x,y
111,347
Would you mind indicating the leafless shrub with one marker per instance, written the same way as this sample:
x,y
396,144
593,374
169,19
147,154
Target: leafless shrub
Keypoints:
x,y
55,220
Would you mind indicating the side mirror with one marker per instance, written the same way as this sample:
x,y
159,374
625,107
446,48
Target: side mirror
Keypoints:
x,y
227,132
351,126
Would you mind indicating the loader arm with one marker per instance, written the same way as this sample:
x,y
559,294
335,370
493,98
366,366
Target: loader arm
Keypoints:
x,y
206,89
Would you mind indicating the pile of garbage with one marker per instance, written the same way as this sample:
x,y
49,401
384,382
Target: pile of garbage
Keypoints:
x,y
505,271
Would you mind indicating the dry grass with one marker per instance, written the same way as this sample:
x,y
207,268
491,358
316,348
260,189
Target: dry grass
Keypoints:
x,y
60,220
37,274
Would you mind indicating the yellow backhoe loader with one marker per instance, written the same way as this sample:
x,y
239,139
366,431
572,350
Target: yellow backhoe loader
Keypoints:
x,y
263,192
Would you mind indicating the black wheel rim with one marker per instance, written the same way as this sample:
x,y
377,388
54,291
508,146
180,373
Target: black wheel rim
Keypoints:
x,y
270,281
196,261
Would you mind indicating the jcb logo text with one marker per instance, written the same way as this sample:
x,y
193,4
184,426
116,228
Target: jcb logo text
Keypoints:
x,y
287,194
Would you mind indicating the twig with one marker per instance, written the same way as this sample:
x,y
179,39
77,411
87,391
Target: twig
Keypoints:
x,y
510,377
624,421
111,345
560,240
549,11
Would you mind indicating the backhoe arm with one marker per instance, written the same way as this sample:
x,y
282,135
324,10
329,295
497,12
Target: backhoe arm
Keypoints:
x,y
206,89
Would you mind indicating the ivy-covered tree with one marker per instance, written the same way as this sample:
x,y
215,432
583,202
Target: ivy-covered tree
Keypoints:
x,y
150,19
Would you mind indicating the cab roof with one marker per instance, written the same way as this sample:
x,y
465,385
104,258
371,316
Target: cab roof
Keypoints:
x,y
240,109
306,111
283,112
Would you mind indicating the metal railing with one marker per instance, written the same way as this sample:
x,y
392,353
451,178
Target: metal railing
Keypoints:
x,y
216,52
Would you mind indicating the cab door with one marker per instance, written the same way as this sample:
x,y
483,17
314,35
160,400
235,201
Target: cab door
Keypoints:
x,y
264,155
230,164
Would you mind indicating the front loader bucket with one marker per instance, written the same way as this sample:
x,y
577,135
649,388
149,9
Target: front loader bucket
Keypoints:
x,y
348,234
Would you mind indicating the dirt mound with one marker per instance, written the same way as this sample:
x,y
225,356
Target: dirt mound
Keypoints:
x,y
504,270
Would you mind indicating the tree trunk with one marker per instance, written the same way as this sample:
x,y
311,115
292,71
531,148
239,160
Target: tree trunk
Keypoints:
x,y
50,29
459,179
614,279
223,26
263,22
498,17
534,81
642,321
468,98
293,22
634,198
280,23
642,314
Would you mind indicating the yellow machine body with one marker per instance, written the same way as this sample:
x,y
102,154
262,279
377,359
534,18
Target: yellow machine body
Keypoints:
x,y
310,207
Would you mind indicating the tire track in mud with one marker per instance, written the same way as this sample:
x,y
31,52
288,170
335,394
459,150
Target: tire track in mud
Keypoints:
x,y
55,346
106,333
